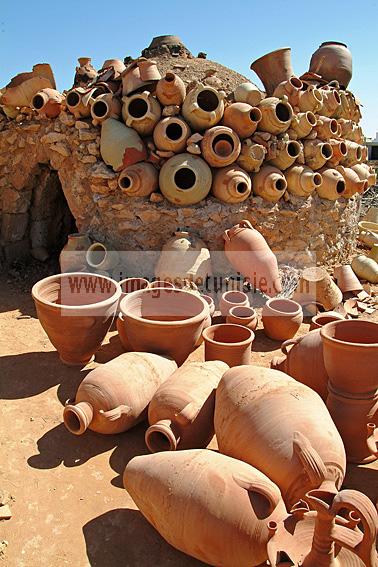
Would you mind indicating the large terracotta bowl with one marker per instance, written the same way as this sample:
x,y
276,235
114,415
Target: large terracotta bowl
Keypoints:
x,y
164,321
76,311
350,350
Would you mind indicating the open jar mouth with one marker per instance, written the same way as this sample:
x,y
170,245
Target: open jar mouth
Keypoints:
x,y
283,306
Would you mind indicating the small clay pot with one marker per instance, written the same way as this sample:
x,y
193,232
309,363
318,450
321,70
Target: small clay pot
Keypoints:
x,y
203,107
230,343
185,179
244,316
251,156
291,88
170,134
220,146
339,151
310,100
276,115
322,319
333,185
269,183
242,118
231,299
281,318
99,257
326,128
302,124
301,180
171,89
249,93
138,180
354,154
316,153
141,111
231,184
287,155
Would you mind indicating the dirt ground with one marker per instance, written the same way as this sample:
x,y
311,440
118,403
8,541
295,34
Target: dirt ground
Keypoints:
x,y
65,492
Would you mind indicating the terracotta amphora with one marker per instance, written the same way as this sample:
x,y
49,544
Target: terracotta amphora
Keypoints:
x,y
290,88
48,103
242,118
105,106
333,184
203,107
171,89
333,62
185,179
249,253
148,69
114,397
139,180
302,180
311,99
276,115
228,342
72,257
220,146
242,315
117,65
326,128
249,93
99,257
367,172
181,489
286,155
269,183
76,311
181,412
281,318
120,146
268,419
302,124
171,134
85,72
331,102
141,111
75,103
353,184
304,361
365,268
274,68
339,151
316,153
354,154
231,184
251,155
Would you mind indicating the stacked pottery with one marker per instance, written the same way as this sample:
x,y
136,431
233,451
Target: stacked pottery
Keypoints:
x,y
350,358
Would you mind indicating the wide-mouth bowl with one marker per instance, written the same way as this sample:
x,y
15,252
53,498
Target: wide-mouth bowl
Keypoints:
x,y
228,335
263,57
322,319
363,334
164,307
233,297
76,289
242,312
283,306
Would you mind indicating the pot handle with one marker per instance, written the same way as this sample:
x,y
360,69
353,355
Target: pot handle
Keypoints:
x,y
245,224
372,439
188,414
310,459
266,488
226,235
116,413
289,342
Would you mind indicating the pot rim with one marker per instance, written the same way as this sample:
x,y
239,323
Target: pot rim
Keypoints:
x,y
326,328
182,322
41,283
270,53
236,291
290,313
252,314
228,345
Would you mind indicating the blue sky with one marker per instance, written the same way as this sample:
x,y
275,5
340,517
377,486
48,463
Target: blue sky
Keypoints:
x,y
233,33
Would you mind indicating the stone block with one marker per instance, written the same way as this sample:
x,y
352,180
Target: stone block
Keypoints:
x,y
13,227
15,201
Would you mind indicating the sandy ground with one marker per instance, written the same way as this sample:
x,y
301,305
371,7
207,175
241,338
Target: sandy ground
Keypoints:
x,y
65,492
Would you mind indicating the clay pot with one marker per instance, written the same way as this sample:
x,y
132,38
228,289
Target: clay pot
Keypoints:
x,y
138,180
326,128
353,183
248,252
269,183
171,89
301,180
346,279
365,268
236,525
22,88
141,111
291,89
76,311
273,68
310,100
100,258
242,315
117,65
105,106
321,319
120,146
220,146
231,299
354,154
181,413
249,93
230,343
317,286
203,107
48,103
148,70
231,184
73,254
184,257
276,115
153,316
281,318
316,153
185,179
264,417
251,156
339,151
114,397
367,172
131,79
368,232
350,349
304,361
85,72
333,185
331,102
242,118
171,134
75,103
302,124
286,155
333,62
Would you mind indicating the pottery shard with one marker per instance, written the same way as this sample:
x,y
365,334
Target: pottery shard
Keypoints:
x,y
52,138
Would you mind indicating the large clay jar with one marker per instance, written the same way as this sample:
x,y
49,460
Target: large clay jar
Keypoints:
x,y
367,172
354,154
141,111
249,93
302,124
73,255
228,342
21,89
282,427
350,355
333,62
138,180
76,311
249,253
75,103
220,146
301,180
281,318
304,361
148,70
242,315
326,128
316,153
365,268
251,156
114,397
185,179
171,89
203,107
85,72
48,103
333,185
311,99
242,118
153,317
105,106
331,102
182,488
232,299
339,151
171,134
231,184
184,257
317,286
286,155
276,115
353,184
116,65
120,146
273,68
99,257
181,413
290,88
269,183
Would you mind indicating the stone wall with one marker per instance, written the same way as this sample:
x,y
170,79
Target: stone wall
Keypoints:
x,y
299,229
